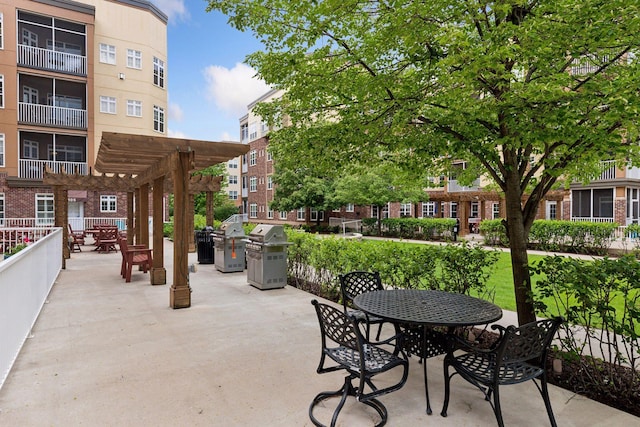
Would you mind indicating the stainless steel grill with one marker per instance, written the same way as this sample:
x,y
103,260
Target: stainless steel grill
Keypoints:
x,y
266,250
229,247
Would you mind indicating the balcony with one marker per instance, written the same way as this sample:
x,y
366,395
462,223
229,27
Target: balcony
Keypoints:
x,y
51,60
33,169
48,115
453,186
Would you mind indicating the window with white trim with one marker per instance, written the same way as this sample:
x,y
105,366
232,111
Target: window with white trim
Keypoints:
x,y
134,108
453,206
233,179
283,215
30,149
495,211
269,213
317,215
270,182
385,211
428,209
233,195
269,155
253,210
253,155
44,209
1,31
1,91
158,119
232,164
253,131
2,209
405,209
350,207
300,214
475,210
2,150
134,59
108,203
108,104
158,72
253,184
107,53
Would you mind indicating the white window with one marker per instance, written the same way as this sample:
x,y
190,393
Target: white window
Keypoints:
x,y
283,214
158,72
454,210
385,211
253,131
134,59
300,214
495,211
475,209
244,133
158,119
107,53
1,31
2,150
253,184
264,128
552,209
2,215
269,156
269,182
134,108
233,195
253,155
108,204
29,95
107,104
44,209
269,213
253,210
315,215
30,149
428,210
232,164
1,91
405,209
233,179
350,207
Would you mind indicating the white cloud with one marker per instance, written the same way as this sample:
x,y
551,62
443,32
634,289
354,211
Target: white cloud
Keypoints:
x,y
176,134
175,112
175,9
233,89
226,136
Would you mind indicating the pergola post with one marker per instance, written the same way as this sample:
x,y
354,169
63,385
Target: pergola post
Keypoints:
x,y
180,293
158,274
144,214
137,214
192,211
130,220
61,208
209,202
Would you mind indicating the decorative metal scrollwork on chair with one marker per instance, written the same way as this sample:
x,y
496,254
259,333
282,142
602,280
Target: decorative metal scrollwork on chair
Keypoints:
x,y
345,348
356,283
519,355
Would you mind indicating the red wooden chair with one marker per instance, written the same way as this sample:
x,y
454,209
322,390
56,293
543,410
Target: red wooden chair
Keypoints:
x,y
133,255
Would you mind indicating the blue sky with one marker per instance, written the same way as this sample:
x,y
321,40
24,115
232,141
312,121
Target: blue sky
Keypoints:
x,y
209,84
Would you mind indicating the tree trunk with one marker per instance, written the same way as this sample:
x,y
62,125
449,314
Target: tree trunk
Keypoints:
x,y
518,238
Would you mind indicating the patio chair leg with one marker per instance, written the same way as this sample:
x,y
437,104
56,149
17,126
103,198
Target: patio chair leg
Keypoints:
x,y
447,381
547,402
496,407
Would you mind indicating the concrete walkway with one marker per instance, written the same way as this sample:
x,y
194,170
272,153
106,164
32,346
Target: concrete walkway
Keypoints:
x,y
109,353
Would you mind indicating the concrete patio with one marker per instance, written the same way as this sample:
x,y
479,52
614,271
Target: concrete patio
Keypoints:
x,y
109,353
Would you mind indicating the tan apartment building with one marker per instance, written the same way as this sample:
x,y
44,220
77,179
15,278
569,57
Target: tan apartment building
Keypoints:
x,y
70,70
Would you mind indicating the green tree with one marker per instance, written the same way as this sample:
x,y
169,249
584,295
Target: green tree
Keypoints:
x,y
298,188
525,91
377,187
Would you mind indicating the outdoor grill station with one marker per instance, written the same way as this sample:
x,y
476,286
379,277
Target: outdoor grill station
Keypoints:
x,y
267,257
229,247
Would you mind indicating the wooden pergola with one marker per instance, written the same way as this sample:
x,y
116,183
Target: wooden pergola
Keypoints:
x,y
137,164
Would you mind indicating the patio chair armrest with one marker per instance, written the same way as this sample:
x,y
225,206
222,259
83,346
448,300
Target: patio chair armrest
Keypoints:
x,y
455,342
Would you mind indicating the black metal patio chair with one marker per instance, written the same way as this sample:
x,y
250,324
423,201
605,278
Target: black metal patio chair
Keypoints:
x,y
356,283
344,348
519,355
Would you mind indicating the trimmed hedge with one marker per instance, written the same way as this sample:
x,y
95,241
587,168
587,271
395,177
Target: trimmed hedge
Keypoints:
x,y
411,228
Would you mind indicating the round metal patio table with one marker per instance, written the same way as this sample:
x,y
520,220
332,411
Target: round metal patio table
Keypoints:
x,y
427,308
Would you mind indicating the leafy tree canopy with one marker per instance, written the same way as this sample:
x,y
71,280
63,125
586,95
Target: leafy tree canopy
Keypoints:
x,y
524,91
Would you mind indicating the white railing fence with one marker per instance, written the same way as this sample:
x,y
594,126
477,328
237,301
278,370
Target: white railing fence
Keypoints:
x,y
48,59
33,169
51,115
26,279
13,236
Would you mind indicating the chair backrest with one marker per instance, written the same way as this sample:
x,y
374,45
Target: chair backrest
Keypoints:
x,y
358,282
337,326
528,342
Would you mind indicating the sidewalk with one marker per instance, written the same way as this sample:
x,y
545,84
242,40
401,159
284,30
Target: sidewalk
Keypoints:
x,y
109,353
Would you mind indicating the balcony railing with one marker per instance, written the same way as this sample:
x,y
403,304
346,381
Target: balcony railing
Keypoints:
x,y
47,115
47,59
32,169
